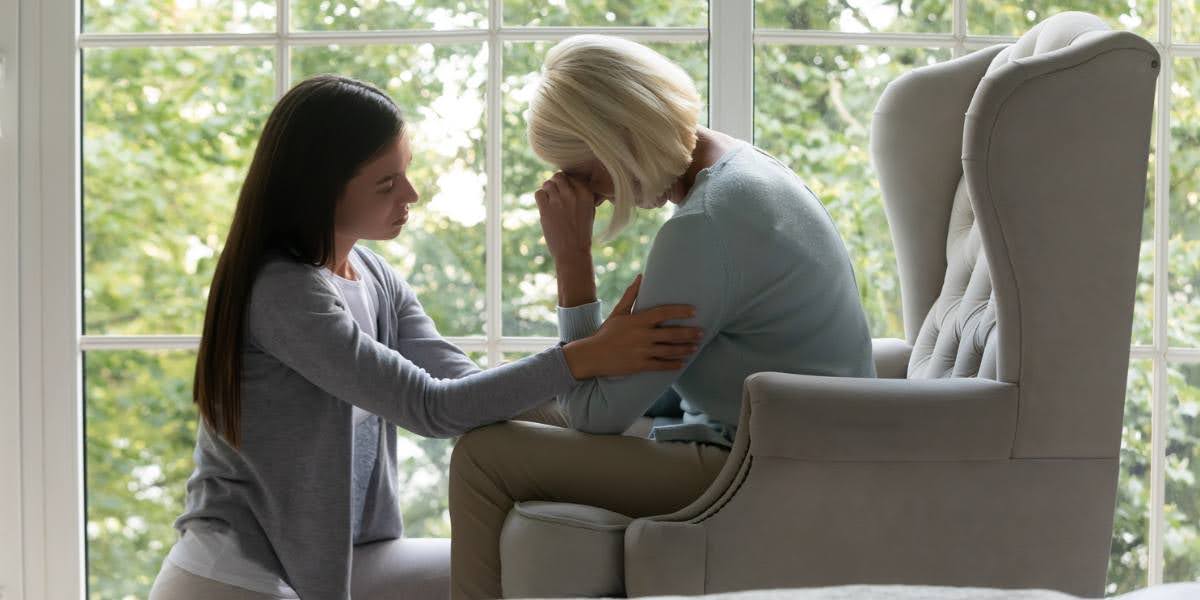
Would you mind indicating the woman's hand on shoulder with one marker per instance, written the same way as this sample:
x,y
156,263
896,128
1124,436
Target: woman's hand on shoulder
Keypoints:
x,y
630,343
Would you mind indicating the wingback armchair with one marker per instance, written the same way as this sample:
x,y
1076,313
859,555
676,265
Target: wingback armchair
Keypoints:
x,y
986,452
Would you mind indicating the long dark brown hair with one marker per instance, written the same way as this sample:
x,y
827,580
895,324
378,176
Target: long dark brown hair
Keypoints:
x,y
314,141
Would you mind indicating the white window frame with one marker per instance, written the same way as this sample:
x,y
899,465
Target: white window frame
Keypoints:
x,y
11,565
41,425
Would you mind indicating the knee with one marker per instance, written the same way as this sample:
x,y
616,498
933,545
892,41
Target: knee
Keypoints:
x,y
474,448
485,448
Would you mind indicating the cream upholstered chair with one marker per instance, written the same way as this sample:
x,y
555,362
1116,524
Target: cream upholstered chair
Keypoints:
x,y
986,453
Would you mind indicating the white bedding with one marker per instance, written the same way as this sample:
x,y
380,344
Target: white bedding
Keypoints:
x,y
1173,591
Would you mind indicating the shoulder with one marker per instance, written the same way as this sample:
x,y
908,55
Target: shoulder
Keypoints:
x,y
284,287
754,172
283,291
280,274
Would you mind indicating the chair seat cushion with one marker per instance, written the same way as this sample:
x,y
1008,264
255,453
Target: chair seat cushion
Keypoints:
x,y
557,548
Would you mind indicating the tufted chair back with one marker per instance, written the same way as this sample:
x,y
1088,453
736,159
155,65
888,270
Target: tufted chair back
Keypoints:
x,y
1015,205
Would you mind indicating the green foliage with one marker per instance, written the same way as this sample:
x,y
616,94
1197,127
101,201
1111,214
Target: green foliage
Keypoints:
x,y
908,16
168,133
141,429
1184,245
1181,542
996,17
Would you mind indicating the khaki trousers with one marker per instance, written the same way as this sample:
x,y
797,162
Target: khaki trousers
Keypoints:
x,y
535,457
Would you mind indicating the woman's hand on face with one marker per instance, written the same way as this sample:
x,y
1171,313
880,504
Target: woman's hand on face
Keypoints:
x,y
568,210
627,343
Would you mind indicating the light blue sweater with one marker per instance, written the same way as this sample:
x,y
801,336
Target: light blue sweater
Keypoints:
x,y
758,255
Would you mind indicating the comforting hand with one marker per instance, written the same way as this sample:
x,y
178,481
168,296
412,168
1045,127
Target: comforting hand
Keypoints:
x,y
568,210
627,343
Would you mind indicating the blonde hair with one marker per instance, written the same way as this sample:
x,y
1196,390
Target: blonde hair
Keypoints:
x,y
623,104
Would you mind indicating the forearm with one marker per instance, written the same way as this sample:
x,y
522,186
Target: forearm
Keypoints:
x,y
576,279
449,407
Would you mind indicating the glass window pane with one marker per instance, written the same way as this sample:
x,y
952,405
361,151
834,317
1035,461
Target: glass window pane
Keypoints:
x,y
441,90
480,358
925,16
140,430
1001,17
321,15
178,16
1184,245
607,13
1181,540
812,110
167,136
528,284
1185,21
424,483
1129,555
1143,309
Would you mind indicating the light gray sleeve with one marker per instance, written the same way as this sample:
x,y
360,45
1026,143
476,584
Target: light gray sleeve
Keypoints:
x,y
420,342
686,265
296,318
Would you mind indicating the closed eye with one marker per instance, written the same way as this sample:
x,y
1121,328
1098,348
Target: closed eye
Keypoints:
x,y
385,186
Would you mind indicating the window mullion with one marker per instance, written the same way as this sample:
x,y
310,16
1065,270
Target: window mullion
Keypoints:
x,y
959,15
11,508
1158,393
731,67
493,303
283,59
55,497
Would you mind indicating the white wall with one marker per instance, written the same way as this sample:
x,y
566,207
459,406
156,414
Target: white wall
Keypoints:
x,y
41,509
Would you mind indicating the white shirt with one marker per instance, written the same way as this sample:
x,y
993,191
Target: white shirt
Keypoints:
x,y
213,552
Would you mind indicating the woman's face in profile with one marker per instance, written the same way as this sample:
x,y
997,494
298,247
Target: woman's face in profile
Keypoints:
x,y
375,202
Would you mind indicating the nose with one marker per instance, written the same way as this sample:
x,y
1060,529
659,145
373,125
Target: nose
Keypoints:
x,y
412,197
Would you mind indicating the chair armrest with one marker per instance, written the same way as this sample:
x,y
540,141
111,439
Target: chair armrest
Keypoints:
x,y
810,417
891,357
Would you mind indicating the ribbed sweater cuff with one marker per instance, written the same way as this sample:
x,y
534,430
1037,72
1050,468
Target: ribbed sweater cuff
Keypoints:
x,y
578,322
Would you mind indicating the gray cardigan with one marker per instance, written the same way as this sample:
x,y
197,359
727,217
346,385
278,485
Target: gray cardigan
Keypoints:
x,y
286,494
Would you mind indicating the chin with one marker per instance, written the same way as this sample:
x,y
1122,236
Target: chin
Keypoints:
x,y
386,234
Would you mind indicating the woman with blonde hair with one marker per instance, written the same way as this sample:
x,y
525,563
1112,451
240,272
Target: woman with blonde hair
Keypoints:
x,y
749,245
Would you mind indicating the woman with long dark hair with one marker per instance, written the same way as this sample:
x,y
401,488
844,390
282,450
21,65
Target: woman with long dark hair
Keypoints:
x,y
313,347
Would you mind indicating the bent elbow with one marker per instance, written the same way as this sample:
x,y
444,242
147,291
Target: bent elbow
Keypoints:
x,y
595,422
